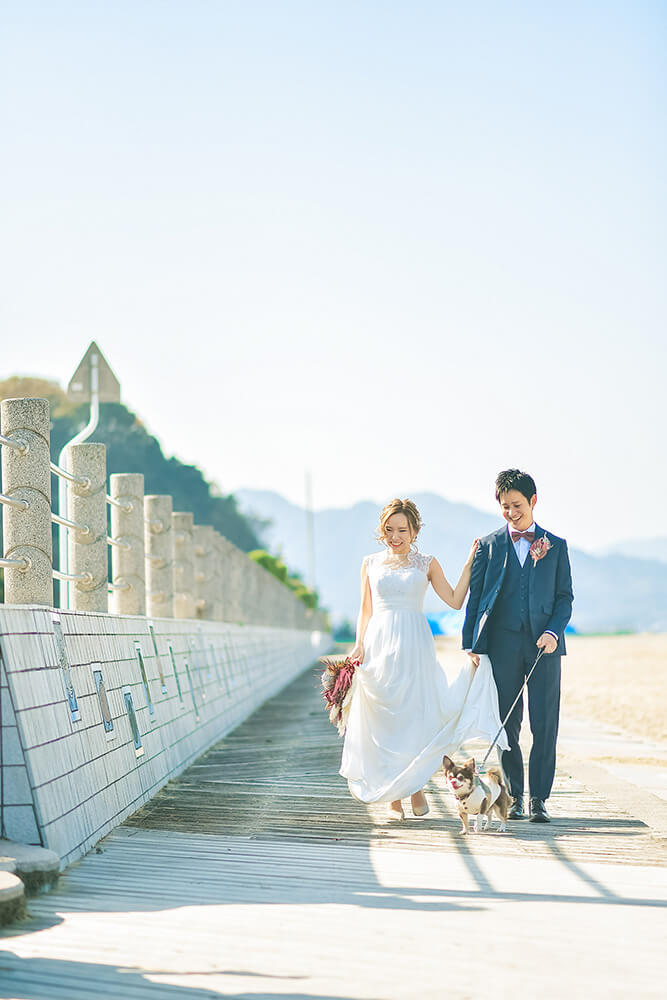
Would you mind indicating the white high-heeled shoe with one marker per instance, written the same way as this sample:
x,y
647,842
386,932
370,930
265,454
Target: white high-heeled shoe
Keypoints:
x,y
396,814
420,810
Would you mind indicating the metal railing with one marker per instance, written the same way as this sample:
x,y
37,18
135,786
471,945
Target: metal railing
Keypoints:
x,y
126,505
23,565
21,446
119,543
161,564
82,481
16,504
74,525
73,577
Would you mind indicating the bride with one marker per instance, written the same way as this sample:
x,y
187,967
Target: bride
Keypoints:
x,y
403,714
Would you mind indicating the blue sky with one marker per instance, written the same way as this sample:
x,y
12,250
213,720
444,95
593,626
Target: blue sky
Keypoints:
x,y
403,244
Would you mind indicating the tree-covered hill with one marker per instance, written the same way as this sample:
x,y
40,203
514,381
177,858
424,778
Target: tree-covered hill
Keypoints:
x,y
131,448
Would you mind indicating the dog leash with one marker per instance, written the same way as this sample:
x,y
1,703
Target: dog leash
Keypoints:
x,y
504,722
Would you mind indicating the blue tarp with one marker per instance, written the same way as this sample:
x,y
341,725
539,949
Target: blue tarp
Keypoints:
x,y
445,622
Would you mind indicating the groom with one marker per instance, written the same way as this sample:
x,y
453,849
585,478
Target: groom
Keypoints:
x,y
520,602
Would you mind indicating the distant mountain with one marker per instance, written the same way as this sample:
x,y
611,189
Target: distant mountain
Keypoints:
x,y
612,593
644,548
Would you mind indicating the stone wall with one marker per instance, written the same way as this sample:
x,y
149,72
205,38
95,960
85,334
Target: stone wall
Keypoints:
x,y
99,711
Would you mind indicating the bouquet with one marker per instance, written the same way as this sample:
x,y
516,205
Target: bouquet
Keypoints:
x,y
338,688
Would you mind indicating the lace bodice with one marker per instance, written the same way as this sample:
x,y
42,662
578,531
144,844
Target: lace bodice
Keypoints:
x,y
396,584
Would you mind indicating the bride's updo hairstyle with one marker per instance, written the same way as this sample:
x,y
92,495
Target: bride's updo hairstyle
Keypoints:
x,y
397,506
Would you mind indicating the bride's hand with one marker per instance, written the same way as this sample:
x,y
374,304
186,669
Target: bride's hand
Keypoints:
x,y
471,554
357,654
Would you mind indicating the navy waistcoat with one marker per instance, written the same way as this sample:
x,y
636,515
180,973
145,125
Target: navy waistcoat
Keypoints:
x,y
512,607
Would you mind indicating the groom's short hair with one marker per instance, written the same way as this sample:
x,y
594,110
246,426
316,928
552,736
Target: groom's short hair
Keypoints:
x,y
514,479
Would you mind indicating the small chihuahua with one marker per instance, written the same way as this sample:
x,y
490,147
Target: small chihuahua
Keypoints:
x,y
477,796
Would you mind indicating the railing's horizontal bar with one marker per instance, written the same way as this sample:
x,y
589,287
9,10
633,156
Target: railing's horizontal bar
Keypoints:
x,y
64,474
118,543
66,523
57,575
119,586
157,561
154,525
23,564
21,446
123,504
10,502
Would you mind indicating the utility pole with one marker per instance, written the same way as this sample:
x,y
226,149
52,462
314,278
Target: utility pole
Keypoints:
x,y
310,531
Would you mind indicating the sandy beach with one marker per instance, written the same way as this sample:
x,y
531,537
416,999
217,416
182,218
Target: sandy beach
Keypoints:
x,y
618,680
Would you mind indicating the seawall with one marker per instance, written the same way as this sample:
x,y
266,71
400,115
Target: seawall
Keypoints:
x,y
99,711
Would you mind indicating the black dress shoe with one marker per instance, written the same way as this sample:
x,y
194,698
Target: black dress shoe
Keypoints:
x,y
538,811
516,809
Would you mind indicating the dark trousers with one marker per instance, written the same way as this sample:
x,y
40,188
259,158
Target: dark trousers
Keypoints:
x,y
512,654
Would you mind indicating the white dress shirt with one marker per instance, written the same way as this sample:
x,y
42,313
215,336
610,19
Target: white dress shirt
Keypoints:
x,y
522,545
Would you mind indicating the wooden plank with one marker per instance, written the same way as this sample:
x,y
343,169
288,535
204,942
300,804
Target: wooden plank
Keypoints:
x,y
257,875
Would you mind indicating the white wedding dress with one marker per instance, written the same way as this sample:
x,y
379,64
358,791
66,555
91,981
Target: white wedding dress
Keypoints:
x,y
404,714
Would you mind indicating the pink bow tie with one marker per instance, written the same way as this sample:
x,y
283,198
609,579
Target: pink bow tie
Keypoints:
x,y
528,535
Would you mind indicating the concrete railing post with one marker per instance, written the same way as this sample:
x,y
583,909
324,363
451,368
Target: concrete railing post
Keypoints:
x,y
250,595
87,545
231,583
265,593
239,576
227,571
26,526
159,541
218,577
203,548
219,557
127,528
184,597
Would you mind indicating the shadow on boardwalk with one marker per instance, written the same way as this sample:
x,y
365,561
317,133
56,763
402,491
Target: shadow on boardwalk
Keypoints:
x,y
37,979
264,818
258,869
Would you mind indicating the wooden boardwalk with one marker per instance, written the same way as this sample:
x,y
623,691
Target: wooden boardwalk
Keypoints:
x,y
256,875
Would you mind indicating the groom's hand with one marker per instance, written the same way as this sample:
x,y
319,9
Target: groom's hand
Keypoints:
x,y
475,658
547,642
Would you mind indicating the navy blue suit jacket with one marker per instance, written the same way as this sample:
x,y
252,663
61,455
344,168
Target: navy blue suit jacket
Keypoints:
x,y
550,589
